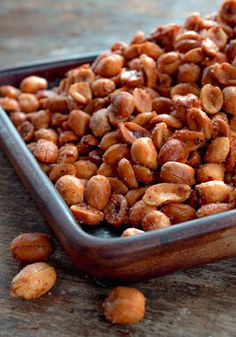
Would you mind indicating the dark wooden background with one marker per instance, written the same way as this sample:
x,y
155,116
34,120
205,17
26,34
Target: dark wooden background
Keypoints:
x,y
196,303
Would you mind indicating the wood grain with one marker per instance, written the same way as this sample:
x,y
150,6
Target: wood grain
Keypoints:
x,y
196,303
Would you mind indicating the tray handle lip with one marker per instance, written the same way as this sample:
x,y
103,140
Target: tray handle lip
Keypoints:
x,y
150,240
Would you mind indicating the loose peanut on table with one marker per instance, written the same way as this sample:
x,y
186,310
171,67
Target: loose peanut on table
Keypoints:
x,y
145,135
124,306
33,281
32,247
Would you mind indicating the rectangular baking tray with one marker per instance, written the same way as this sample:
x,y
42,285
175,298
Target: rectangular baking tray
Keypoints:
x,y
99,252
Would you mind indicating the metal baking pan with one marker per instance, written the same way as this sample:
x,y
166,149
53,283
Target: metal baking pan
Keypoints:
x,y
100,252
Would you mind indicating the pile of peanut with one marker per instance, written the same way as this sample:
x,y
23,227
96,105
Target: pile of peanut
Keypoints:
x,y
145,137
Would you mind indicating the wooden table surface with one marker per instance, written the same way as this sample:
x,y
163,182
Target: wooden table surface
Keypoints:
x,y
195,303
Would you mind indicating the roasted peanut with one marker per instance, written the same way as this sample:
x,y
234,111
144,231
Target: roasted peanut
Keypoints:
x,y
209,48
182,105
9,104
134,195
150,70
81,74
81,92
66,137
218,150
143,174
178,213
41,94
79,122
32,247
173,150
67,154
194,159
85,169
56,103
28,103
165,35
171,122
71,189
130,131
143,118
225,73
194,55
17,117
99,123
151,49
132,78
97,192
160,134
227,11
124,306
102,87
109,65
9,91
143,101
179,173
144,152
26,130
31,147
230,100
115,212
189,73
213,191
117,186
115,153
41,119
218,36
193,140
211,99
107,170
122,104
186,44
109,139
86,215
169,63
138,211
155,220
126,173
95,157
199,121
33,281
48,134
162,105
32,84
165,193
214,208
184,89
60,170
232,123
46,151
87,144
131,232
210,171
